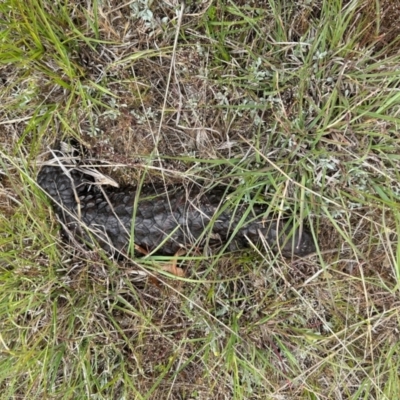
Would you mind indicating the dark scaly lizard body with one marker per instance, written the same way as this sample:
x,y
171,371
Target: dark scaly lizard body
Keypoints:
x,y
164,222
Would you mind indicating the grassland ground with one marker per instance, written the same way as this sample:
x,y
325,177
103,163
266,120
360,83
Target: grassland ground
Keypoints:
x,y
295,105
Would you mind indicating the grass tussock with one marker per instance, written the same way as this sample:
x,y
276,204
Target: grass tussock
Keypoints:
x,y
294,104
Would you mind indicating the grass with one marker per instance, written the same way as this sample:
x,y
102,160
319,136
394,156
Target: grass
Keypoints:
x,y
293,105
